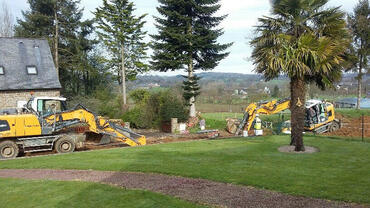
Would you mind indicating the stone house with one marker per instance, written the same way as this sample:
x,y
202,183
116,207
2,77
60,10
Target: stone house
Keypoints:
x,y
26,66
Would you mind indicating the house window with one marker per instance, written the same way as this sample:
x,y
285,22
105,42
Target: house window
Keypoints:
x,y
2,72
31,70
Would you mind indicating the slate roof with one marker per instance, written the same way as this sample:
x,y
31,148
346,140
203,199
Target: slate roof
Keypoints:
x,y
18,53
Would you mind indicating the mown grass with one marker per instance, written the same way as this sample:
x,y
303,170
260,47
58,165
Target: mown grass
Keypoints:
x,y
42,193
340,171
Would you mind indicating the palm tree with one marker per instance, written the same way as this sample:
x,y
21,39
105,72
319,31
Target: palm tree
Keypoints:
x,y
305,41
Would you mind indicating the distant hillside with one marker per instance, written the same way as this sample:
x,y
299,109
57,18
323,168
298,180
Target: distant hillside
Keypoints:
x,y
229,79
206,77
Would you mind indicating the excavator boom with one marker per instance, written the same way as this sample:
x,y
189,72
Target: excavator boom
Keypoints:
x,y
266,108
319,117
97,124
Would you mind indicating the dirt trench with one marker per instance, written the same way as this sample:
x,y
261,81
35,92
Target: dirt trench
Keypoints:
x,y
352,127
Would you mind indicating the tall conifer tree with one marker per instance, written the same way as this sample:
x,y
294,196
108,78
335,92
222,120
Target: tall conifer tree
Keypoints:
x,y
60,22
359,25
122,33
187,39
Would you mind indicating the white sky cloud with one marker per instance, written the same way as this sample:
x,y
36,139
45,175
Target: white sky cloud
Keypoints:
x,y
242,16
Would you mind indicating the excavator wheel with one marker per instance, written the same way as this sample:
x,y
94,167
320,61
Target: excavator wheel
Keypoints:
x,y
334,126
64,145
8,150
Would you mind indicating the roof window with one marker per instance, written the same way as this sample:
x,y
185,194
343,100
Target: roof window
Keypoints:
x,y
32,70
2,72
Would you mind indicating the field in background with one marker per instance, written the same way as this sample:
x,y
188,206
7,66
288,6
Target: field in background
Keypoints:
x,y
337,172
225,108
353,113
212,108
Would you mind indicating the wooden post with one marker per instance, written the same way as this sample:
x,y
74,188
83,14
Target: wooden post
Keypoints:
x,y
173,125
363,127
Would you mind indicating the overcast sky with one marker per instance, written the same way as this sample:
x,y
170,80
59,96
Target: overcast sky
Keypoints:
x,y
238,26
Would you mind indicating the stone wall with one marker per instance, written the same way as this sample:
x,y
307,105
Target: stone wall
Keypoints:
x,y
9,99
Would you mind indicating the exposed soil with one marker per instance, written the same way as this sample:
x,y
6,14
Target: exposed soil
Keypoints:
x,y
157,137
195,190
290,149
152,137
352,127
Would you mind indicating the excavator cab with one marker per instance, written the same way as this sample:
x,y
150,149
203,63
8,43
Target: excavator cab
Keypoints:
x,y
45,106
316,112
320,118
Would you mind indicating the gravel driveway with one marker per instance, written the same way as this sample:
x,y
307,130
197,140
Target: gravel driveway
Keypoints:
x,y
195,190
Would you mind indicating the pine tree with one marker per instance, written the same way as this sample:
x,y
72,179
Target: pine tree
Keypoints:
x,y
122,33
191,87
187,39
275,92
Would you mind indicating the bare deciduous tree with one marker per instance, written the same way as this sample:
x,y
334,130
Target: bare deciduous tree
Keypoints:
x,y
6,21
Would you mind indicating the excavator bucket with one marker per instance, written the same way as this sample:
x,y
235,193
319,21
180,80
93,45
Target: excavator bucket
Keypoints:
x,y
105,140
127,136
232,125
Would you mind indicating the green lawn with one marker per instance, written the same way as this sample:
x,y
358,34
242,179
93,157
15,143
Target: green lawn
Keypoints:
x,y
340,171
31,193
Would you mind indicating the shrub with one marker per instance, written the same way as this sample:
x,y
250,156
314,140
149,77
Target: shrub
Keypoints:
x,y
172,107
139,95
153,108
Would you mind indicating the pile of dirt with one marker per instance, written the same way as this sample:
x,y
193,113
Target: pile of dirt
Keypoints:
x,y
352,127
157,137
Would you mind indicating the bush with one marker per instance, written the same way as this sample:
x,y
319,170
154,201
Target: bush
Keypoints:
x,y
172,107
102,102
137,118
153,108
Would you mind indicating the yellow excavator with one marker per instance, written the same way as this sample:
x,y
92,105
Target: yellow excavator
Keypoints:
x,y
42,123
320,116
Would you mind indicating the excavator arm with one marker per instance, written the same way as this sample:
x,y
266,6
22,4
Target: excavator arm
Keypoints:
x,y
265,108
97,124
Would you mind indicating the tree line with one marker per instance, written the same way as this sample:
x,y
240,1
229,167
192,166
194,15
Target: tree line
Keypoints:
x,y
110,48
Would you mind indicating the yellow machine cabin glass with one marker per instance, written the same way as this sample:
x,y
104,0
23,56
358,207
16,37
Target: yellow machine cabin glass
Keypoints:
x,y
49,106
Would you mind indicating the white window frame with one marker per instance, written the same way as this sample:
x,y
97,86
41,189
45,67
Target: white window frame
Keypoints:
x,y
2,70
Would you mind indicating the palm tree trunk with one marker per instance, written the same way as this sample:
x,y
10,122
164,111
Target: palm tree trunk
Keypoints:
x,y
297,108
